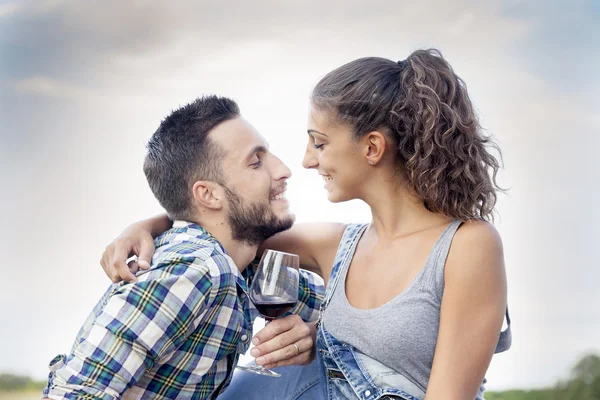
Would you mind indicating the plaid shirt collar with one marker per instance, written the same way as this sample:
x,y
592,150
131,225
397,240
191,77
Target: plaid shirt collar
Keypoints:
x,y
194,230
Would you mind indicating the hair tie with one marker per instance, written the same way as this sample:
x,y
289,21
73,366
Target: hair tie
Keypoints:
x,y
403,63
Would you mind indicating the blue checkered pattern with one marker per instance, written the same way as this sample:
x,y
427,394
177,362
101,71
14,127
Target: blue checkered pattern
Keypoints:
x,y
176,333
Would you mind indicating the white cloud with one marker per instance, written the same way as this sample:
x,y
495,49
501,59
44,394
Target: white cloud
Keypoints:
x,y
8,9
29,7
43,86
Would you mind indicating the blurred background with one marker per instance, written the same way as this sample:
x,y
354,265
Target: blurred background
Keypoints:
x,y
84,84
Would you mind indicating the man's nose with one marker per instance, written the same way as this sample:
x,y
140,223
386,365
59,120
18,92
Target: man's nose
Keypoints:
x,y
282,172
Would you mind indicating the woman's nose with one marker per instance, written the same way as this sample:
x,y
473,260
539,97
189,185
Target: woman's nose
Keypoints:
x,y
310,157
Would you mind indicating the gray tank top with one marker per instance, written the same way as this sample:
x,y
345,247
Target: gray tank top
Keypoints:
x,y
402,333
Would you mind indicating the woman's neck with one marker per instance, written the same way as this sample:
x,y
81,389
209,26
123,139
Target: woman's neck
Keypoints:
x,y
396,212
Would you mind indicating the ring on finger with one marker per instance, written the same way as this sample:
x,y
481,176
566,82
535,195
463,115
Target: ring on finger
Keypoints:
x,y
297,348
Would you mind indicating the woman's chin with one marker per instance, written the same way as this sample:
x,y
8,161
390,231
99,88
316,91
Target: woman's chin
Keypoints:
x,y
334,197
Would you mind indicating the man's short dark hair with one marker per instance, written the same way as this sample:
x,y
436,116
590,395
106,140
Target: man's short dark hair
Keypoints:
x,y
181,153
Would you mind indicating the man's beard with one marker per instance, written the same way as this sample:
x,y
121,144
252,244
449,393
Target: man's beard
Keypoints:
x,y
253,223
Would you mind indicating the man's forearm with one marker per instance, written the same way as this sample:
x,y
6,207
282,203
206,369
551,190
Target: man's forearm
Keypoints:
x,y
156,225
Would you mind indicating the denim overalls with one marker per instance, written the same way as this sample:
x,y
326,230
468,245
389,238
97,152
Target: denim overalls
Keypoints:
x,y
349,374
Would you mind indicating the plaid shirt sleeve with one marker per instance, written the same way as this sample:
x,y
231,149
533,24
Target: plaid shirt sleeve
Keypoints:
x,y
140,324
310,296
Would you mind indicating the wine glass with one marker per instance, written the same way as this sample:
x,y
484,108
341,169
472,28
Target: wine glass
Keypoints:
x,y
274,291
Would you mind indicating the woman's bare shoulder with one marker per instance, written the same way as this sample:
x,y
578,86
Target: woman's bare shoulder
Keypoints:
x,y
477,233
476,249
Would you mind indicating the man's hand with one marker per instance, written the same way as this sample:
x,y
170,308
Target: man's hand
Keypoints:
x,y
285,341
134,240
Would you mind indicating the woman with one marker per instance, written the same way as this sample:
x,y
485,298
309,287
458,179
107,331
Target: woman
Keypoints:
x,y
415,299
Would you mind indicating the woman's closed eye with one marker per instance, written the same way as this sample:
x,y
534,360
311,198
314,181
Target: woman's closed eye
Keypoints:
x,y
315,144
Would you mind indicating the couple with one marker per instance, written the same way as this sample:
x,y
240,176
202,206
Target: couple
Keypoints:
x,y
415,300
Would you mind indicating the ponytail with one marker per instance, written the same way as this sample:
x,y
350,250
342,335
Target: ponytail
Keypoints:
x,y
424,106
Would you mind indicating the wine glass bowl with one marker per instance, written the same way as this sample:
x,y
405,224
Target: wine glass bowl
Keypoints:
x,y
274,289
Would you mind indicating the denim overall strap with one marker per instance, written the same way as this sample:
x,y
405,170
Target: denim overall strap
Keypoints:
x,y
346,248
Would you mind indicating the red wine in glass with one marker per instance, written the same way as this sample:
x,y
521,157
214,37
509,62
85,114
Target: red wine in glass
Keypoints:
x,y
272,310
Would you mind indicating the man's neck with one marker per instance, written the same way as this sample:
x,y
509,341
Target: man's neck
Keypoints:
x,y
242,253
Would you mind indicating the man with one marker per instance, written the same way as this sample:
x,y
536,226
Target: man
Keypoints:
x,y
176,332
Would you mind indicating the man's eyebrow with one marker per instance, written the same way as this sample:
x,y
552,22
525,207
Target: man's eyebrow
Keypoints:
x,y
256,149
317,132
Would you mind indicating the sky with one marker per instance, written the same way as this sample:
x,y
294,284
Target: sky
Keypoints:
x,y
84,84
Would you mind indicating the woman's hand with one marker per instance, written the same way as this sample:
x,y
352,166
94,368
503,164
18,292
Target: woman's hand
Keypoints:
x,y
137,239
285,341
134,240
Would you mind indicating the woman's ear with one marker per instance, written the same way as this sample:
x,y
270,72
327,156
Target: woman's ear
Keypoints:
x,y
375,144
208,194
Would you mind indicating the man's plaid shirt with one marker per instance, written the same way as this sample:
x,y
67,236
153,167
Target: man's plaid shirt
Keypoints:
x,y
176,333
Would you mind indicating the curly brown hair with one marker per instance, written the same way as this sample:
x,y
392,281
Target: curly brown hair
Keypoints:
x,y
424,107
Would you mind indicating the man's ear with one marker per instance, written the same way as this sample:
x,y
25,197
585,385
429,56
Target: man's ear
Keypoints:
x,y
375,145
208,194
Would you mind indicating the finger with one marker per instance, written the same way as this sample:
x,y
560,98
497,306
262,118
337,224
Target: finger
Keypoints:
x,y
301,359
132,263
298,332
288,352
276,328
298,360
118,264
105,263
145,253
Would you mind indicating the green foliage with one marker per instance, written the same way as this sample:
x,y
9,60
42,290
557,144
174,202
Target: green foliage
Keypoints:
x,y
583,385
12,383
587,369
543,394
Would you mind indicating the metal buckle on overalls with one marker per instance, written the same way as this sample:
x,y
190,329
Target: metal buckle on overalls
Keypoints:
x,y
332,373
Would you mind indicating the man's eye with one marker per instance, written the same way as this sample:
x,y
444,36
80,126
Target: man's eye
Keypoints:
x,y
256,164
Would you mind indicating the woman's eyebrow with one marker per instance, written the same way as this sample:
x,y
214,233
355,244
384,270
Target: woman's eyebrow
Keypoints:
x,y
315,131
